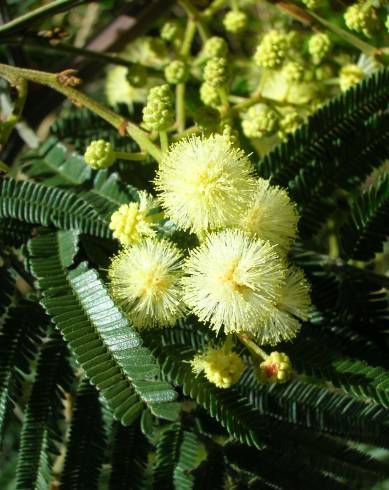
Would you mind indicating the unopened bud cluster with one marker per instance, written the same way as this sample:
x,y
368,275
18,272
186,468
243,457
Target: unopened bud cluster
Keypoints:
x,y
158,113
99,155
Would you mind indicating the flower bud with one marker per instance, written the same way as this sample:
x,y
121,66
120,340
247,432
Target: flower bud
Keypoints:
x,y
235,21
176,72
158,114
215,47
277,368
271,51
319,46
216,72
349,76
99,155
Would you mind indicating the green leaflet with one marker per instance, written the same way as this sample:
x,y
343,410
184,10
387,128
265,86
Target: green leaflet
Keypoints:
x,y
101,338
48,206
366,230
85,449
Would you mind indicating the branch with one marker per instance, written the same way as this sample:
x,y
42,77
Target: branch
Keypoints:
x,y
64,83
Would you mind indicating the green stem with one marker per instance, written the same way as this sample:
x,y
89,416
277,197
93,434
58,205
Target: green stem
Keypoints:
x,y
252,346
164,141
213,8
195,15
39,14
188,132
190,31
180,107
16,114
135,157
58,82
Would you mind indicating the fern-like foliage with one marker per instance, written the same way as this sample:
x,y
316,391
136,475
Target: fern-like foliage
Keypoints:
x,y
34,463
130,459
54,164
85,449
176,453
103,342
20,340
48,206
366,230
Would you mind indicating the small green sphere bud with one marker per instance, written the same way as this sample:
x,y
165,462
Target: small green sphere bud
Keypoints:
x,y
209,95
349,76
207,118
361,20
277,368
289,124
215,47
235,21
158,114
259,121
137,76
271,51
170,31
99,154
293,72
216,72
319,46
176,72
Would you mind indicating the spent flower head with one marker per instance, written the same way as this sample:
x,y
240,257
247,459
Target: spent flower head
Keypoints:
x,y
133,221
220,366
145,283
204,183
277,368
232,281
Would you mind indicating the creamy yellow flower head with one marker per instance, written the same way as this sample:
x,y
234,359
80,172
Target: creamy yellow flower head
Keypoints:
x,y
222,367
205,183
131,222
292,307
233,281
271,216
145,282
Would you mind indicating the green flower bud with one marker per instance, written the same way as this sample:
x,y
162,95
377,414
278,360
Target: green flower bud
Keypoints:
x,y
289,124
349,76
158,114
277,368
215,47
170,31
387,23
361,20
209,95
207,118
216,72
176,72
137,76
319,46
271,51
293,71
99,154
259,121
235,21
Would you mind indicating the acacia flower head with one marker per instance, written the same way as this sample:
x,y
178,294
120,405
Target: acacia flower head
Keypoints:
x,y
133,221
271,216
291,307
205,183
221,366
233,280
145,283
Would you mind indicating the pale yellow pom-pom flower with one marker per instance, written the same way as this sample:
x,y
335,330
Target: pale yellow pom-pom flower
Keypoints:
x,y
221,367
271,216
145,283
233,281
291,307
132,221
205,183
